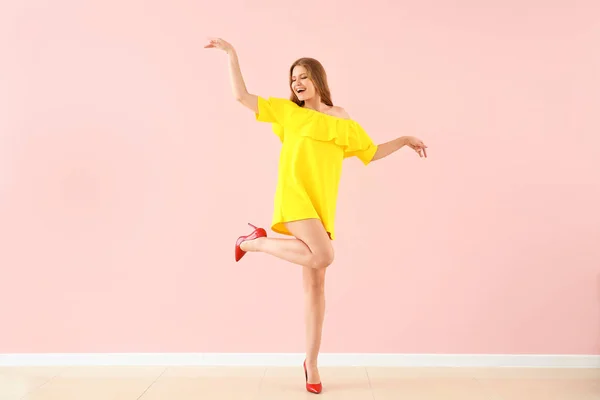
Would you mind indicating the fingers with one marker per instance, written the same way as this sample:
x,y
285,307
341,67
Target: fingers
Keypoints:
x,y
417,149
418,146
421,146
218,43
420,149
213,43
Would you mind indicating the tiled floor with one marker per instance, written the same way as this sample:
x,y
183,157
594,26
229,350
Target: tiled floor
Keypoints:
x,y
257,383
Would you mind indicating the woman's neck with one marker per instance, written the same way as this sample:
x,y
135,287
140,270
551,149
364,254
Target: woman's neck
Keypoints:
x,y
315,104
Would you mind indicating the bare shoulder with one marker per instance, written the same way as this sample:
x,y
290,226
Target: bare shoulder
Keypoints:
x,y
340,112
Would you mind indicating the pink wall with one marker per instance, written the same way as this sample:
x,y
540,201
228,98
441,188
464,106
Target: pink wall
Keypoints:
x,y
127,171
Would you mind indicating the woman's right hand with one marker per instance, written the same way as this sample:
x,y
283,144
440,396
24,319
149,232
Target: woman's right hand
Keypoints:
x,y
218,43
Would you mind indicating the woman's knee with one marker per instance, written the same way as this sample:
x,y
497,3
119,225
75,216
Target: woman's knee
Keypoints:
x,y
322,259
312,233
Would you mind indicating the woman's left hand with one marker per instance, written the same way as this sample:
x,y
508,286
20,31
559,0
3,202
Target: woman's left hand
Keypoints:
x,y
417,145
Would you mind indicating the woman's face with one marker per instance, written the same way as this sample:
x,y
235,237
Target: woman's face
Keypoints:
x,y
302,86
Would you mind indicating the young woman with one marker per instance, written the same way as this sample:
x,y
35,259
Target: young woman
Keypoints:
x,y
316,136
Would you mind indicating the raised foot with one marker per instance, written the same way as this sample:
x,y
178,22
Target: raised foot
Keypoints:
x,y
251,244
243,242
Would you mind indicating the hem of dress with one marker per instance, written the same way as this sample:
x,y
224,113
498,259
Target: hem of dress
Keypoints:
x,y
279,227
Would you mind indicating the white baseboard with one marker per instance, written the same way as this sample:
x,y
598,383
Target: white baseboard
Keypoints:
x,y
294,359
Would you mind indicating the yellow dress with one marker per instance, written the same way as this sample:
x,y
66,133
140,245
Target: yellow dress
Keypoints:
x,y
314,145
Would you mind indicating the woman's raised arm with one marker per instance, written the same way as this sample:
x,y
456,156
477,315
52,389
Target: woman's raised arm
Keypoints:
x,y
238,86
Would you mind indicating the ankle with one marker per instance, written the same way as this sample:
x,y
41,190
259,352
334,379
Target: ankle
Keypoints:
x,y
311,363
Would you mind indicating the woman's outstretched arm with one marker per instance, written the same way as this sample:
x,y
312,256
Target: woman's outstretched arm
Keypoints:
x,y
385,149
238,86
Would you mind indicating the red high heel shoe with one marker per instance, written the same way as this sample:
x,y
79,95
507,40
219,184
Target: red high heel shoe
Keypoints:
x,y
312,387
257,233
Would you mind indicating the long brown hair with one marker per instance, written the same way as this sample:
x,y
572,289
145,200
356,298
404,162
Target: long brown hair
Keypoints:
x,y
316,73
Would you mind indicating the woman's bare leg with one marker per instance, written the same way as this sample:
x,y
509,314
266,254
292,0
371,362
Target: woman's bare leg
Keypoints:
x,y
292,250
314,235
313,250
314,311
